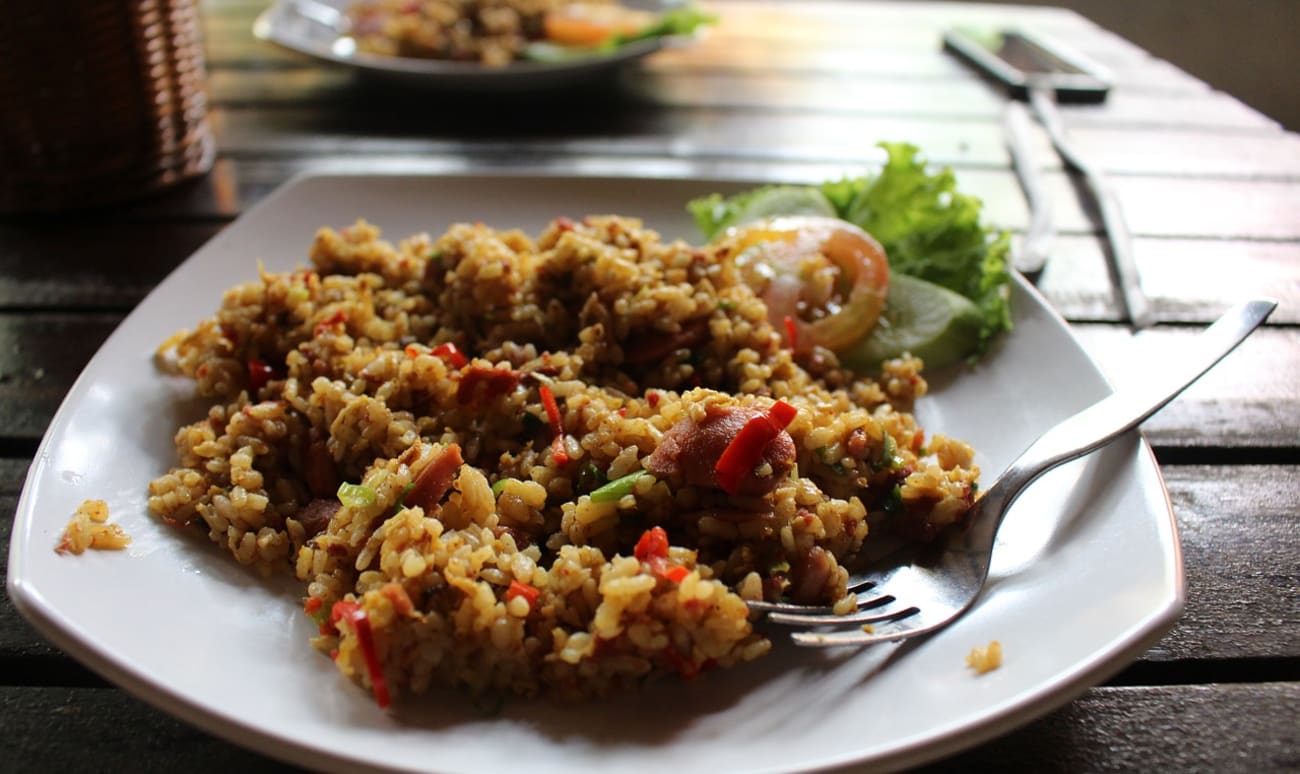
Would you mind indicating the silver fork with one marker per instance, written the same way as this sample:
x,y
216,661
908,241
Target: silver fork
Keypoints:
x,y
908,600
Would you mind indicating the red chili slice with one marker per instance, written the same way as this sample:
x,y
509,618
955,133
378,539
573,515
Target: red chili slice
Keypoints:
x,y
675,573
366,641
654,543
450,353
558,449
652,549
518,589
745,450
338,317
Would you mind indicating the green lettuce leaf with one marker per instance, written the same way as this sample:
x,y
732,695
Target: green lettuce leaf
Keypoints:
x,y
681,20
931,230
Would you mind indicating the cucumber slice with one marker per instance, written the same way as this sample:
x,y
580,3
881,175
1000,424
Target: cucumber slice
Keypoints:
x,y
921,318
781,200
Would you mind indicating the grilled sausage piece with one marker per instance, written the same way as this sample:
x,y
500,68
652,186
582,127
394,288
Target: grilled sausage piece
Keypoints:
x,y
691,449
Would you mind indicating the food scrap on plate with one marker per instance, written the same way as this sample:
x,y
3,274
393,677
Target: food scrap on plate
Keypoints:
x,y
985,659
89,528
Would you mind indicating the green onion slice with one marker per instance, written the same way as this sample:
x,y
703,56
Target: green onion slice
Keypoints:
x,y
356,495
616,489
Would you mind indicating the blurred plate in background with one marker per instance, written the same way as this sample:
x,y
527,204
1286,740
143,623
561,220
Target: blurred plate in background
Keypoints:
x,y
319,28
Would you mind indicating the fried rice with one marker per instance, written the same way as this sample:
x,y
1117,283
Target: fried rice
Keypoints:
x,y
488,456
491,32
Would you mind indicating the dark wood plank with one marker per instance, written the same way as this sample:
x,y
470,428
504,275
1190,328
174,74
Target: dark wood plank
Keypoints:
x,y
21,647
1107,729
1185,728
1240,537
40,357
13,471
1250,400
781,137
90,263
1187,280
62,729
940,99
952,101
22,650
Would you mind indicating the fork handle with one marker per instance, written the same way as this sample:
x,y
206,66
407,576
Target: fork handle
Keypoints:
x,y
1111,417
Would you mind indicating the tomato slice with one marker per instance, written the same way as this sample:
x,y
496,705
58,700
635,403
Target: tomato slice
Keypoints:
x,y
591,24
828,276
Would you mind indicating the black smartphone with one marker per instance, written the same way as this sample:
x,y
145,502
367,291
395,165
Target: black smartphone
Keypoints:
x,y
1019,59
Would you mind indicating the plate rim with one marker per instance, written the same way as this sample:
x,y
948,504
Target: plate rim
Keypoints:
x,y
52,624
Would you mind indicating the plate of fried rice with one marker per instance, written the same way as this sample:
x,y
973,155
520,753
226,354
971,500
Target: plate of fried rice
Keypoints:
x,y
477,44
444,473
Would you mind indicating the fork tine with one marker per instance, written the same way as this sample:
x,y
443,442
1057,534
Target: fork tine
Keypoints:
x,y
860,584
760,606
868,612
860,636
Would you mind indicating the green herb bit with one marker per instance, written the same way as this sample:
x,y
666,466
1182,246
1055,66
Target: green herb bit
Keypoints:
x,y
889,458
356,495
499,486
894,500
618,488
401,498
727,305
590,478
683,20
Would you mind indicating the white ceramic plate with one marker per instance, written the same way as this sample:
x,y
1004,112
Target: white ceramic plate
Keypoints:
x,y
317,28
1088,574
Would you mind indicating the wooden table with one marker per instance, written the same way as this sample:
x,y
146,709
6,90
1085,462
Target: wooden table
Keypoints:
x,y
779,91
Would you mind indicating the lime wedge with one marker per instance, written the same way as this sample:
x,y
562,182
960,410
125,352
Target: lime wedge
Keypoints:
x,y
921,318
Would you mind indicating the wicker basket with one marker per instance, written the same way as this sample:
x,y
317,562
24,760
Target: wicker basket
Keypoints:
x,y
104,100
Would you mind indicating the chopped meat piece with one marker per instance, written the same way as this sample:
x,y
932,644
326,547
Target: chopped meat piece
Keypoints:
x,y
653,347
810,576
435,479
691,449
315,516
322,478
